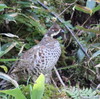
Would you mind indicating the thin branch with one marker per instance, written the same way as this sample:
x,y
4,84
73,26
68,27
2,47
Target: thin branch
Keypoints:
x,y
66,9
58,75
55,84
84,24
71,32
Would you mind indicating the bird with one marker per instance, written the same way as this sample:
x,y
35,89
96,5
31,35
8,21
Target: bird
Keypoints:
x,y
41,58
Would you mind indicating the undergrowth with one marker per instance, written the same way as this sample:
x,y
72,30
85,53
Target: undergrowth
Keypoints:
x,y
23,24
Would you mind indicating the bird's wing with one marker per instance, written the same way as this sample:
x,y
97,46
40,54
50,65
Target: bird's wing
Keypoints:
x,y
28,58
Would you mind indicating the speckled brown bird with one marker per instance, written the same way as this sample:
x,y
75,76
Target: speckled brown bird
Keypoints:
x,y
41,58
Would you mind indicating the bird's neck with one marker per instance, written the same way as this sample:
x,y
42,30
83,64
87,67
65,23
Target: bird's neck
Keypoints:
x,y
47,39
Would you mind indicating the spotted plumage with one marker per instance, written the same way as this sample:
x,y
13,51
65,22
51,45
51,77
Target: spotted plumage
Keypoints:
x,y
40,58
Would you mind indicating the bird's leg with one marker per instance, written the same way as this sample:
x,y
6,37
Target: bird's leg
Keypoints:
x,y
48,77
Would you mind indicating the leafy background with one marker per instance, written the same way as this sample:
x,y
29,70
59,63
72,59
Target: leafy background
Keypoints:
x,y
23,24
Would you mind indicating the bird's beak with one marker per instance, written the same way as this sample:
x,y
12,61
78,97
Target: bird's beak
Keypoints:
x,y
62,31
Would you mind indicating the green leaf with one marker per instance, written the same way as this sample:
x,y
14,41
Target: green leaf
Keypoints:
x,y
80,55
17,93
4,68
3,96
6,60
85,93
96,9
10,17
24,4
68,23
83,9
9,79
30,22
95,54
88,30
38,88
5,46
9,47
2,6
69,67
9,35
91,4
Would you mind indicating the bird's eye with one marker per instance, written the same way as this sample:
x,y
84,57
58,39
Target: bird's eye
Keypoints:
x,y
54,30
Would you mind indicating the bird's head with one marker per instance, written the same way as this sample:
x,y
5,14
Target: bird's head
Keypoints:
x,y
54,30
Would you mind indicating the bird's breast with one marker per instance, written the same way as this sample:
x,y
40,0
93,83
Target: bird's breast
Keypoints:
x,y
49,56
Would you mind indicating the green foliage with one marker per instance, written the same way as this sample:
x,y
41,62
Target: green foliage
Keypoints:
x,y
15,93
80,55
96,54
50,92
6,60
90,7
36,91
9,79
2,6
23,23
38,88
88,30
4,68
77,93
6,48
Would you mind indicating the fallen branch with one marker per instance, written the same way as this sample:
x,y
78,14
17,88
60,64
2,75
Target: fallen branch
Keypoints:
x,y
71,32
58,75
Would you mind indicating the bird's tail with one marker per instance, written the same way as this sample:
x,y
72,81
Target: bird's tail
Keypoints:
x,y
4,85
7,81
